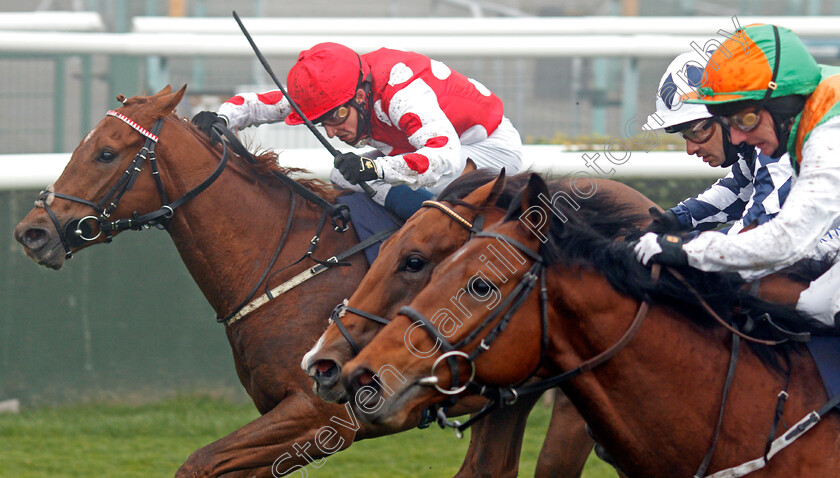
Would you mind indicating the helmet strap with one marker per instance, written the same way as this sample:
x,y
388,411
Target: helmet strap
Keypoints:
x,y
781,128
363,109
731,152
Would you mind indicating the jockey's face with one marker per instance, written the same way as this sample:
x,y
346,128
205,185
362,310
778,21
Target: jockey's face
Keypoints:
x,y
762,136
710,151
345,130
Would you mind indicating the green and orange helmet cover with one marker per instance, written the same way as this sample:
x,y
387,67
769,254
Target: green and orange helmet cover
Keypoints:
x,y
741,68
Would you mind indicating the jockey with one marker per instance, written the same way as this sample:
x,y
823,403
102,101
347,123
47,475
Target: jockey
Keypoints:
x,y
755,187
423,119
767,87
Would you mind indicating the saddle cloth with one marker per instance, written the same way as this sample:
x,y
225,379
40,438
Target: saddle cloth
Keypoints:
x,y
826,353
368,219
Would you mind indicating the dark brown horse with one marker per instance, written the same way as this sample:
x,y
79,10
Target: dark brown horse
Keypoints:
x,y
404,266
226,236
654,404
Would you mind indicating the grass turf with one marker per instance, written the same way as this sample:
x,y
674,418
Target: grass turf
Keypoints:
x,y
153,440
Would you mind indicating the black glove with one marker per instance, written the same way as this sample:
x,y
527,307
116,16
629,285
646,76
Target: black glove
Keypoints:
x,y
665,249
355,168
663,222
205,120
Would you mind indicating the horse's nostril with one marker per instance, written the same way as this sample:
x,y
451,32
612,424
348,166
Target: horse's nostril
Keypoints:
x,y
365,378
326,373
325,367
34,238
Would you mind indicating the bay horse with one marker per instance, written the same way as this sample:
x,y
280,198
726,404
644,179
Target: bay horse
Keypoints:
x,y
653,403
405,264
225,235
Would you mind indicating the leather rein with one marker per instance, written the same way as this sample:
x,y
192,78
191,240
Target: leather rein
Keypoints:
x,y
77,232
506,396
341,309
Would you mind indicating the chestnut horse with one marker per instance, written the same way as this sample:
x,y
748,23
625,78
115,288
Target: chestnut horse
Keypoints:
x,y
653,403
225,235
405,264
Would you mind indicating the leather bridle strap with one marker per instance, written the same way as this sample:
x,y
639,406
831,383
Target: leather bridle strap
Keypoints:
x,y
499,397
339,310
715,315
309,273
339,213
602,357
112,198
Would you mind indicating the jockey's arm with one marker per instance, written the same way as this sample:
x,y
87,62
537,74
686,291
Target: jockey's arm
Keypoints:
x,y
415,111
722,202
251,109
812,208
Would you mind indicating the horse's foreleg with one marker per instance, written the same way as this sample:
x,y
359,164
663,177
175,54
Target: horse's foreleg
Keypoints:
x,y
496,440
296,433
567,445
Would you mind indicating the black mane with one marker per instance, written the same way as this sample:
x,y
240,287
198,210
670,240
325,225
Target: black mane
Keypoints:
x,y
576,242
601,212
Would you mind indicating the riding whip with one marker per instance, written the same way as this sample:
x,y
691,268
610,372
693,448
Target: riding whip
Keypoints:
x,y
334,152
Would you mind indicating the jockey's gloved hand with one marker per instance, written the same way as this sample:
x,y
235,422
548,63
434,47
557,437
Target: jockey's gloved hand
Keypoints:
x,y
356,169
663,222
205,120
664,249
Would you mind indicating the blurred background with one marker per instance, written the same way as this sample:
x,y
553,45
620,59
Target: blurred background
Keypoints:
x,y
125,319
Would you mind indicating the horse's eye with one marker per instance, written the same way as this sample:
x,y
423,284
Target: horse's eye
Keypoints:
x,y
106,156
481,287
413,264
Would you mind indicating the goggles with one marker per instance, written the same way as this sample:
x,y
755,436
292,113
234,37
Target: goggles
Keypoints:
x,y
697,131
335,117
746,120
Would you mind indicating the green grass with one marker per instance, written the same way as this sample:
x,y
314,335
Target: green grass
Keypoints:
x,y
153,440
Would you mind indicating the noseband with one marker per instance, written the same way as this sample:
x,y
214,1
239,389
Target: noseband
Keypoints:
x,y
500,397
342,308
505,309
74,232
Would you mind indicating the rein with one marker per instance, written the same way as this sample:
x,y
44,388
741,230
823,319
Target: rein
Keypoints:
x,y
717,318
342,308
76,232
108,203
500,397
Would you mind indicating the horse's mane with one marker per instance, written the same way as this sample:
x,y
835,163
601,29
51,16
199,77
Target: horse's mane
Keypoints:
x,y
266,164
604,216
575,242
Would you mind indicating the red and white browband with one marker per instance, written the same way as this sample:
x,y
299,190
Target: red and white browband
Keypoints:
x,y
134,125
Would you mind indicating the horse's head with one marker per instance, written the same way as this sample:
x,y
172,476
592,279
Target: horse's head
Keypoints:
x,y
69,214
403,267
462,310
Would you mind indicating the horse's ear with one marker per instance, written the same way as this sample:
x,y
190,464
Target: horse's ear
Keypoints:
x,y
531,195
470,167
528,207
498,187
172,99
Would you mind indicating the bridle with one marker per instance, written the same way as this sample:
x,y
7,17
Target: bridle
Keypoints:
x,y
338,312
503,313
73,234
